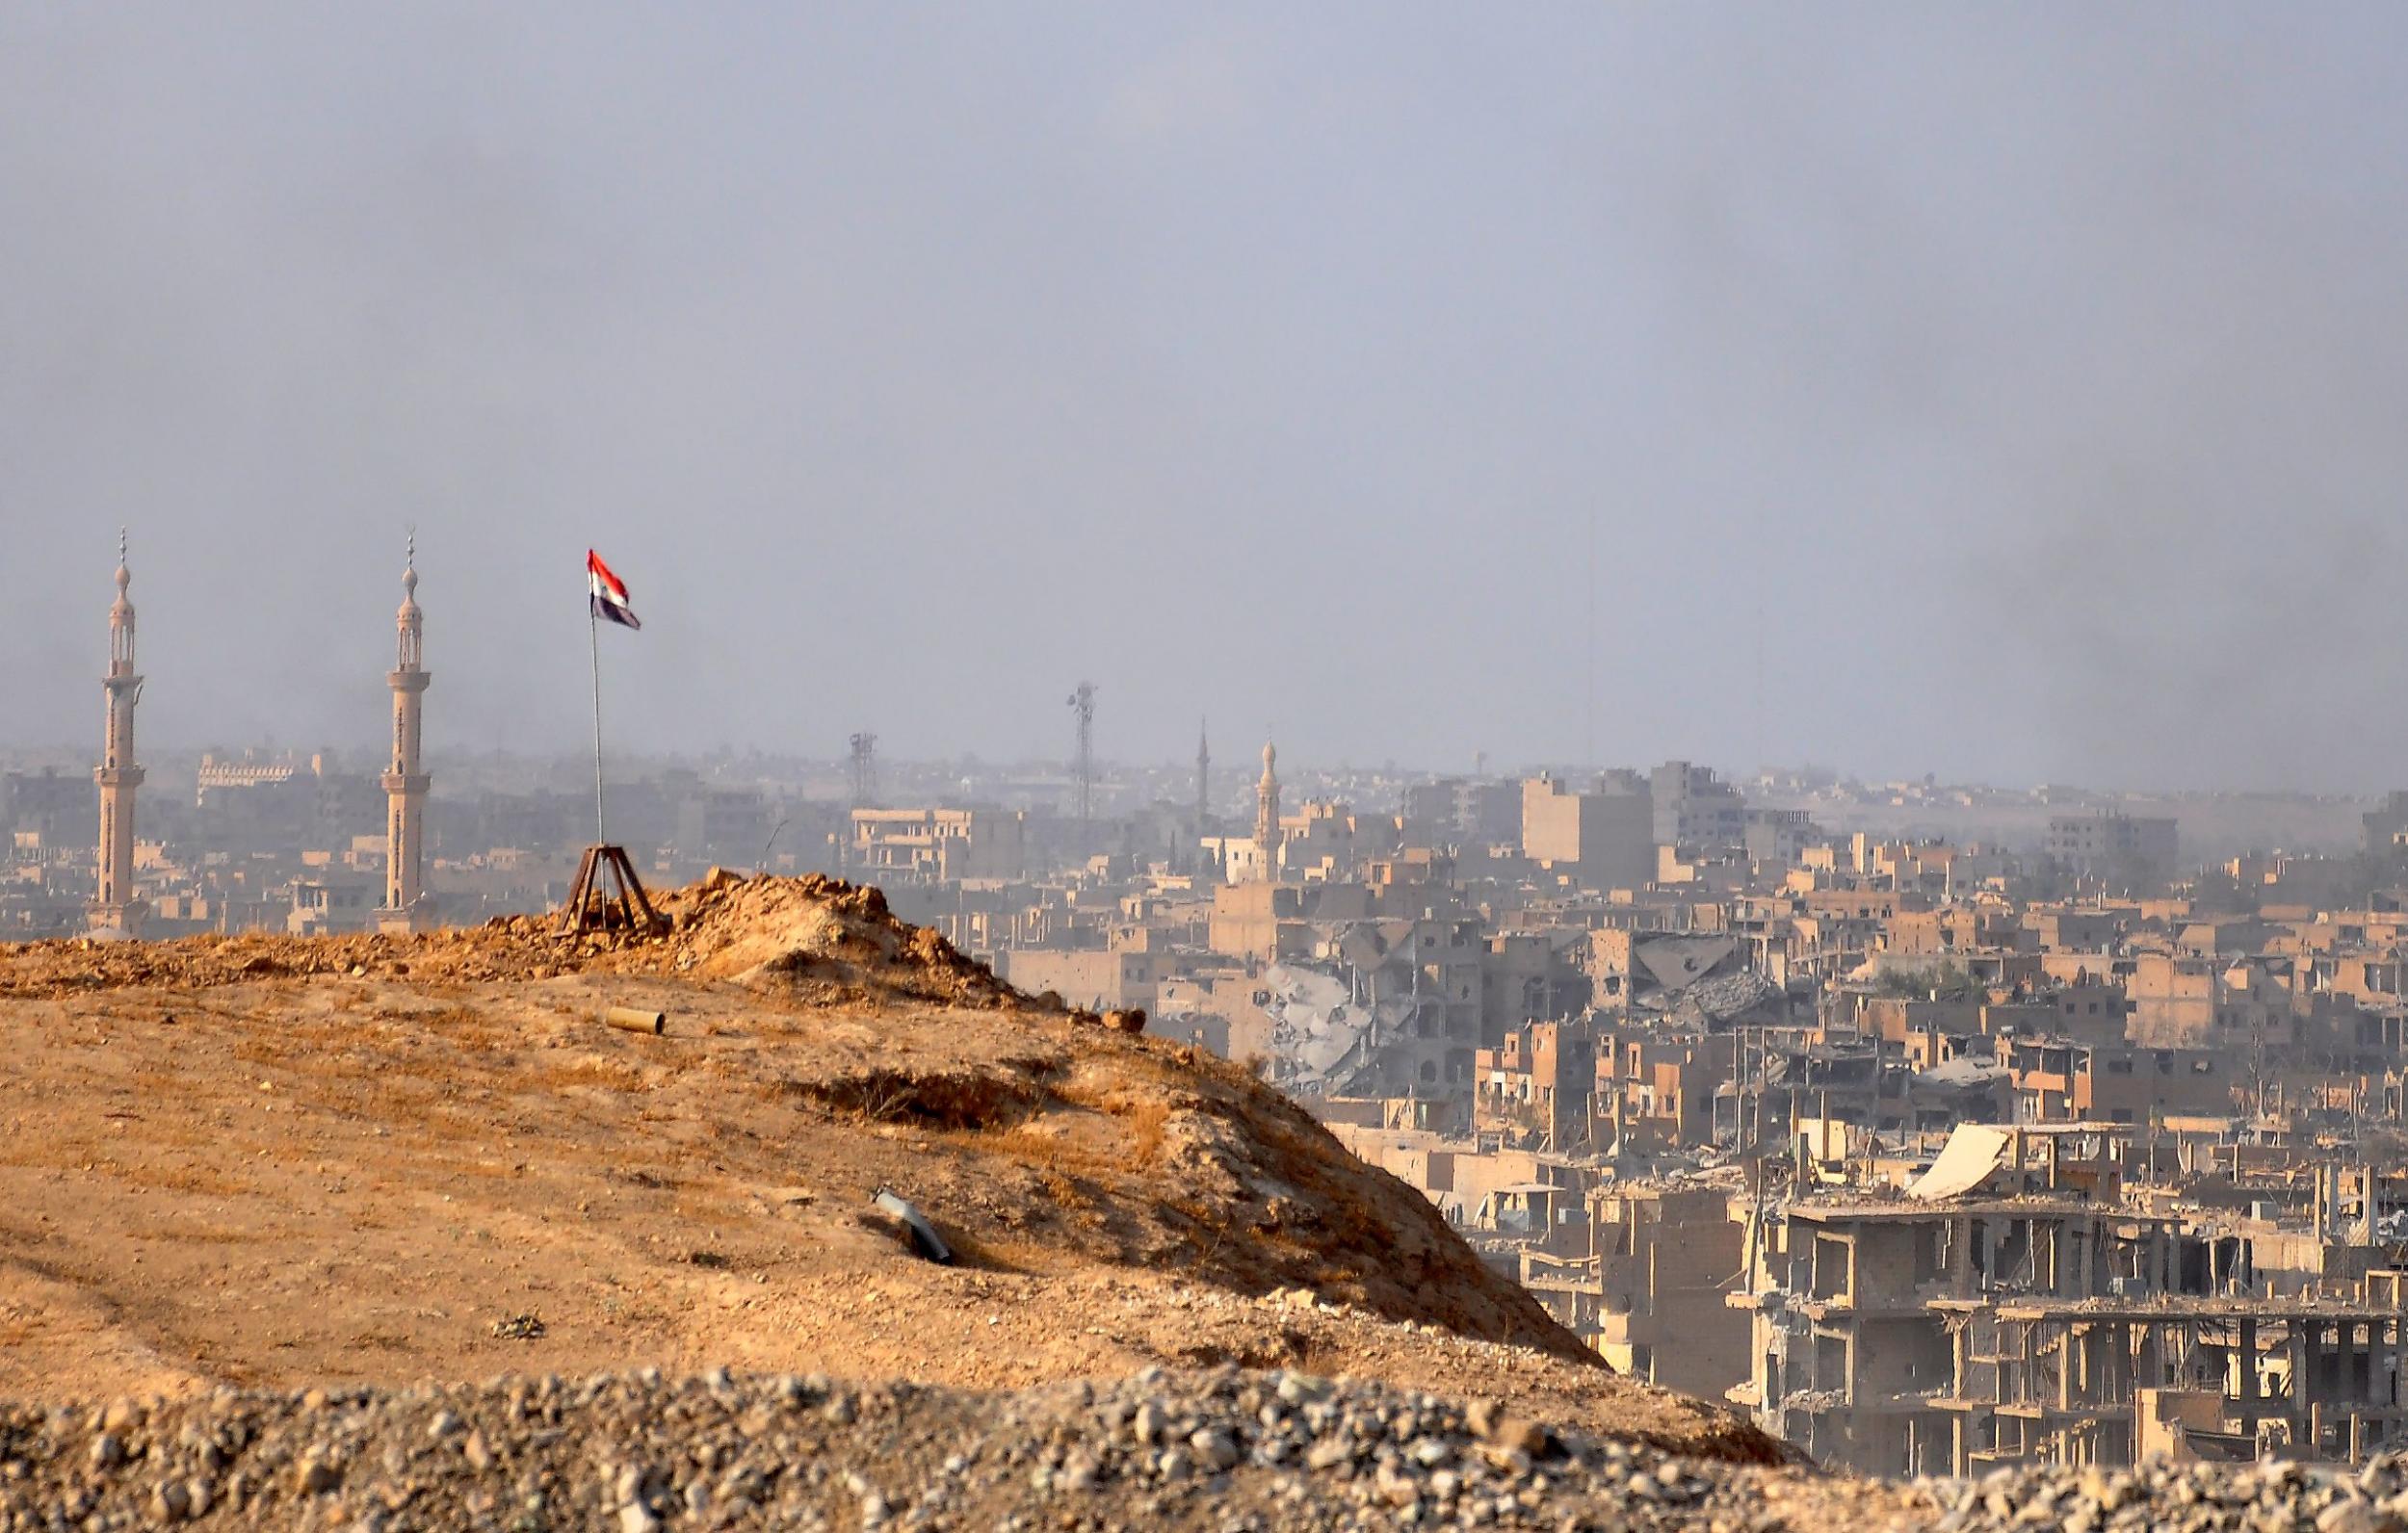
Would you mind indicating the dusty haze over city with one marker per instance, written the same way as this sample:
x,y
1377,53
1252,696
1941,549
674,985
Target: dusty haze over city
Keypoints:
x,y
2010,395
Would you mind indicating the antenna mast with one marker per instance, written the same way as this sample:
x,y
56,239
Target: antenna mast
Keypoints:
x,y
864,748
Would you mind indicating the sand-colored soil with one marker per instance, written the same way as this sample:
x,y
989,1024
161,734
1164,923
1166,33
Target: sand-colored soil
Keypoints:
x,y
284,1162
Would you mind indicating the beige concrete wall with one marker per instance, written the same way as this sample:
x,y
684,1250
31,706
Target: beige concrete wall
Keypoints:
x,y
1101,982
1605,839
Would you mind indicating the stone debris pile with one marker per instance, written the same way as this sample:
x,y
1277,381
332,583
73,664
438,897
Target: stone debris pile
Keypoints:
x,y
2272,1497
1223,1451
638,1452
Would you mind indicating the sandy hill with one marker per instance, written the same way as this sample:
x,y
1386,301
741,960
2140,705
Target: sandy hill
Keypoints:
x,y
283,1163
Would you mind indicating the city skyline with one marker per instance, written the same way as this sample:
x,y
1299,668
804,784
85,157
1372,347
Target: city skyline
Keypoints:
x,y
1482,763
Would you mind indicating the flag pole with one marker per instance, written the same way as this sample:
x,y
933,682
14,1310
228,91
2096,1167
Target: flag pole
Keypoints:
x,y
593,635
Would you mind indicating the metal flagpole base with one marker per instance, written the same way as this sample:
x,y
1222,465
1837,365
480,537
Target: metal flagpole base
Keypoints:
x,y
594,907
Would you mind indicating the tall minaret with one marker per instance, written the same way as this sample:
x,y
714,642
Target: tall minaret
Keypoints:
x,y
1203,782
1267,813
115,910
405,906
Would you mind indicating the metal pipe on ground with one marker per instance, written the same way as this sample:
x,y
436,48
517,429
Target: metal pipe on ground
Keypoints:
x,y
629,1018
924,1236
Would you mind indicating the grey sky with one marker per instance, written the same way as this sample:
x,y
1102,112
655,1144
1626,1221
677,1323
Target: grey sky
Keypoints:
x,y
2024,385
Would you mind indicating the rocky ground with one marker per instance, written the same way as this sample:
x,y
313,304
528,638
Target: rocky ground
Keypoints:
x,y
1218,1450
2274,1498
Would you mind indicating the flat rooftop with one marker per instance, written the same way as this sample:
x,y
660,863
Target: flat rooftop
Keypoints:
x,y
1906,1211
2176,1308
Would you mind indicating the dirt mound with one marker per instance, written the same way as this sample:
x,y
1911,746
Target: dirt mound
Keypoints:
x,y
274,1160
809,929
837,935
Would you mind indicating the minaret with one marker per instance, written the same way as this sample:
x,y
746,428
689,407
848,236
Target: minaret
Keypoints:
x,y
406,907
1203,782
116,912
1267,813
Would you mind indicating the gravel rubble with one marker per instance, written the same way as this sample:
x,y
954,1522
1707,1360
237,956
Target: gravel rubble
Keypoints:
x,y
2270,1498
1225,1451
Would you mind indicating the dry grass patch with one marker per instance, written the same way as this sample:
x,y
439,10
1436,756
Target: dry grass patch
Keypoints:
x,y
1144,1113
1025,1257
308,1040
957,1100
1054,1144
461,1024
188,1232
719,1215
47,1153
191,1180
1148,1125
610,1075
394,1097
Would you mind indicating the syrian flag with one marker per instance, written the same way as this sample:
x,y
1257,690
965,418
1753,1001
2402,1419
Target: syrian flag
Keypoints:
x,y
610,592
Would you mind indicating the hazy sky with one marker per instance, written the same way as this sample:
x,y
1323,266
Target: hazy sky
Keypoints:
x,y
2013,392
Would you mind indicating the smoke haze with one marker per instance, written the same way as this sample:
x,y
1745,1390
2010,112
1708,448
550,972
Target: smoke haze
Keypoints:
x,y
2022,386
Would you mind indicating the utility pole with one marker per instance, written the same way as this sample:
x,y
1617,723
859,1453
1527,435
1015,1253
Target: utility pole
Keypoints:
x,y
1588,649
1082,703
